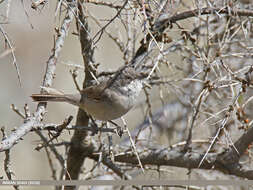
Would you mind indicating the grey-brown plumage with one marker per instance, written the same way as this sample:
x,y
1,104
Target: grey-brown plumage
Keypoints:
x,y
70,98
106,101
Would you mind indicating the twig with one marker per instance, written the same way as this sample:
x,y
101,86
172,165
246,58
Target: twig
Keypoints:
x,y
111,165
100,32
37,3
104,3
133,145
27,111
116,40
74,76
59,129
54,127
221,127
194,116
59,4
64,170
14,62
15,109
52,148
26,13
51,165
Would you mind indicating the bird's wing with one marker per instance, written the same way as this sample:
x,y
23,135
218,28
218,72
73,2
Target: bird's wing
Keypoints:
x,y
96,92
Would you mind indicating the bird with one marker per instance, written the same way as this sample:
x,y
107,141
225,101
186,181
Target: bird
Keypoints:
x,y
106,101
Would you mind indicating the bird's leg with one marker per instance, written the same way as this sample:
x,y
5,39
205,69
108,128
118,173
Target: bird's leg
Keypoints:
x,y
109,135
94,126
119,129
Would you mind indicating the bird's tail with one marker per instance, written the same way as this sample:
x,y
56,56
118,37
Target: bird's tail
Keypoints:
x,y
49,98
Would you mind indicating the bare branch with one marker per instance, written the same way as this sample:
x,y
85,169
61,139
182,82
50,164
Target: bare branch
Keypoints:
x,y
48,80
165,20
7,162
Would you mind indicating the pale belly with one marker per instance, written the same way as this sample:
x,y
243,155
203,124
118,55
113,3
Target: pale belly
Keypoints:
x,y
106,111
116,104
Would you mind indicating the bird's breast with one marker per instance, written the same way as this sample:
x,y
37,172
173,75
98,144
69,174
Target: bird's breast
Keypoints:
x,y
113,103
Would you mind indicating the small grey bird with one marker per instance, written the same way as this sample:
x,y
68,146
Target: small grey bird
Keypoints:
x,y
106,101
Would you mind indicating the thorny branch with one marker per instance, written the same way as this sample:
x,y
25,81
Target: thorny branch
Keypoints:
x,y
226,161
165,20
82,146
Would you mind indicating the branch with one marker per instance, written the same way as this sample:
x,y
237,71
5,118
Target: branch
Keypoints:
x,y
48,80
165,20
190,160
81,144
104,3
57,128
227,161
7,163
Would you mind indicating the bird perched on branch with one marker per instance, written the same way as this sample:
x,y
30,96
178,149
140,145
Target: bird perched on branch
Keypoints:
x,y
109,100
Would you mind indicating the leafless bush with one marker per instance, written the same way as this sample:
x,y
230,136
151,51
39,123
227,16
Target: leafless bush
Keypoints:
x,y
196,102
